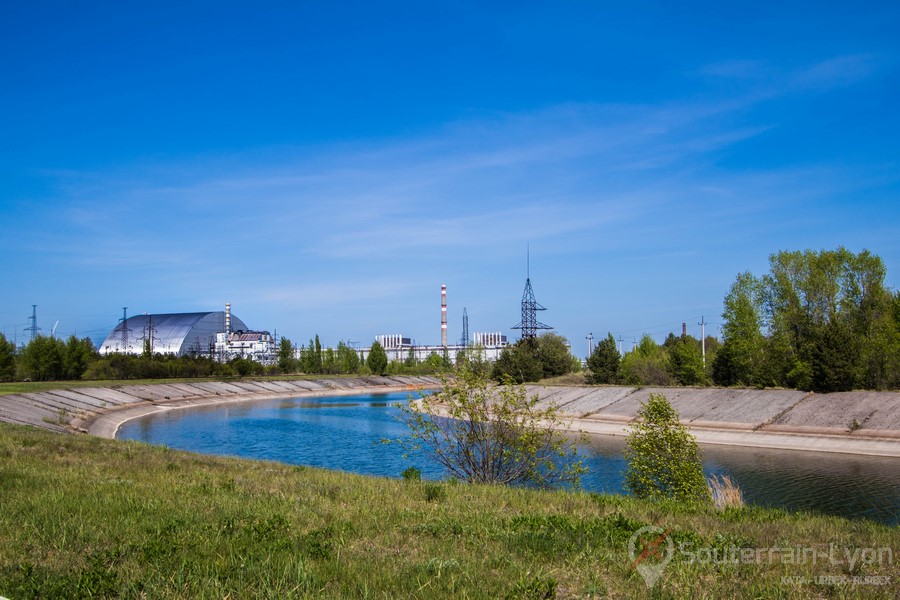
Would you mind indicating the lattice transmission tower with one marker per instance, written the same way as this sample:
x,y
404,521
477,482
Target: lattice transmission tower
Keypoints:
x,y
529,323
33,328
125,329
464,341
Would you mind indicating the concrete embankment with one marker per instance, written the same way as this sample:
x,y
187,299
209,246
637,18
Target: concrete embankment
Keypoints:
x,y
101,410
847,422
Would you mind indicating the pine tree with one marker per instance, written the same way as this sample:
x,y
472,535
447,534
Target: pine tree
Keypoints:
x,y
603,362
377,360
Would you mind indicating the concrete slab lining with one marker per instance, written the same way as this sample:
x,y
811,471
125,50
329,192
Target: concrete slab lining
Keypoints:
x,y
821,422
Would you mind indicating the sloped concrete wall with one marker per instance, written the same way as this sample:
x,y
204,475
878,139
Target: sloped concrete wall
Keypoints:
x,y
71,410
876,413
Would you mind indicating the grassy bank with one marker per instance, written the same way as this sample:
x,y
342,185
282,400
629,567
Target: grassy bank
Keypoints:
x,y
86,517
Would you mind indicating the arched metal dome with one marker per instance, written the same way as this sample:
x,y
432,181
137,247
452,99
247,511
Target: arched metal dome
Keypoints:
x,y
179,333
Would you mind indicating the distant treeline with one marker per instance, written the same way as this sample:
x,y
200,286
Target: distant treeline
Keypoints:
x,y
820,321
52,359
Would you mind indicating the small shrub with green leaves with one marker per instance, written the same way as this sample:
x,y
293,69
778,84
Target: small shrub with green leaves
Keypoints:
x,y
663,457
411,474
434,492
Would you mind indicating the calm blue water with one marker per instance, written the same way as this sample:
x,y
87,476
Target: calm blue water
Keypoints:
x,y
346,433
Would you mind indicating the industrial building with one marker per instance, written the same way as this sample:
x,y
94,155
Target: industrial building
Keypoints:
x,y
400,348
401,352
218,335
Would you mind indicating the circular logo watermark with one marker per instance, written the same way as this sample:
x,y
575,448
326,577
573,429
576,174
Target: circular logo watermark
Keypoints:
x,y
650,549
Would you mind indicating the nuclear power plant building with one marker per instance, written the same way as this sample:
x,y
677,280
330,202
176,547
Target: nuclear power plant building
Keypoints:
x,y
219,335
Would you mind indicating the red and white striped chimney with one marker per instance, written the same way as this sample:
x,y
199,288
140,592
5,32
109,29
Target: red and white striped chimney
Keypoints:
x,y
444,316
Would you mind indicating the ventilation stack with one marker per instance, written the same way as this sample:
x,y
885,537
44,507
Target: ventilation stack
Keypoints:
x,y
227,319
444,316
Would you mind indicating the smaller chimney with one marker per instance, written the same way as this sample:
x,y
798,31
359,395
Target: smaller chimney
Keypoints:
x,y
227,319
684,330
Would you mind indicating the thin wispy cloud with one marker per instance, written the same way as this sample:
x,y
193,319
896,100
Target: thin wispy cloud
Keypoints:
x,y
640,175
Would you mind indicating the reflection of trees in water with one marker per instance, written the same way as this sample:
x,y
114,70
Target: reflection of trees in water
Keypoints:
x,y
829,483
842,484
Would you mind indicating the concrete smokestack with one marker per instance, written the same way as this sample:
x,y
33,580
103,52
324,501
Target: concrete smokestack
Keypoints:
x,y
444,316
227,318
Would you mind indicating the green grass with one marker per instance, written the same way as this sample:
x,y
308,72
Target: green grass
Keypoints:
x,y
92,518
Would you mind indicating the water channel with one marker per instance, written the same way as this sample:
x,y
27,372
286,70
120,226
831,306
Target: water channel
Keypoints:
x,y
346,433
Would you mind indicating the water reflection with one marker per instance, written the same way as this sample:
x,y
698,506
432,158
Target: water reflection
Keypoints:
x,y
837,484
347,434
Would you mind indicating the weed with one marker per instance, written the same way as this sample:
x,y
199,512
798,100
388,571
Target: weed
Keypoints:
x,y
412,474
725,492
537,587
61,418
434,492
437,566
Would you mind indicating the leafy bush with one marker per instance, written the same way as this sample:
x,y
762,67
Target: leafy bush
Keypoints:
x,y
434,492
411,474
663,457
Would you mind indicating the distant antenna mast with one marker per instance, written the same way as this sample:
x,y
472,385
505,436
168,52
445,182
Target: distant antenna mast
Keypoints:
x,y
529,324
702,324
33,328
465,330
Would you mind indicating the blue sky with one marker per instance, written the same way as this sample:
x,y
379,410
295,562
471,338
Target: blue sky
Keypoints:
x,y
325,167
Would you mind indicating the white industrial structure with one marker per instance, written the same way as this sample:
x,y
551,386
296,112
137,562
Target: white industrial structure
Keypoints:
x,y
393,341
489,339
421,353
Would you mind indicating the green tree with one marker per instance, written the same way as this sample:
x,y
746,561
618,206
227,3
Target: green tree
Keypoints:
x,y
411,360
519,362
311,357
377,359
482,433
823,309
685,361
347,359
741,359
42,360
663,457
78,355
603,363
473,358
435,363
7,359
645,365
287,363
319,358
554,355
329,362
